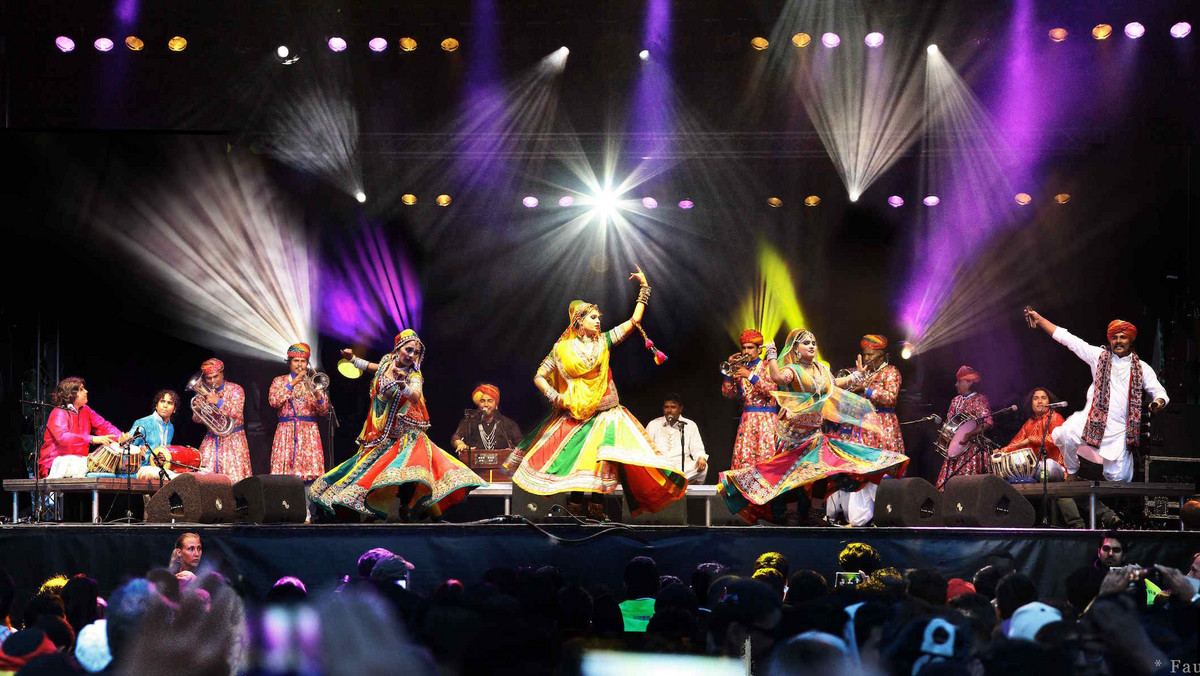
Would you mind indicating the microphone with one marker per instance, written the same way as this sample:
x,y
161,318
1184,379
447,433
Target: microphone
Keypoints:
x,y
1008,409
1029,317
1058,404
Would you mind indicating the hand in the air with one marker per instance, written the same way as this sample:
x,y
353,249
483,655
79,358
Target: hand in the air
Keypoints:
x,y
347,353
1176,582
1032,315
639,275
858,363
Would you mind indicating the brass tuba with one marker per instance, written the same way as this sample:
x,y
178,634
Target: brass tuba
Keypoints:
x,y
218,423
736,361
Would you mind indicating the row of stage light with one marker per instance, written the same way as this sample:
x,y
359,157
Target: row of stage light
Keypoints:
x,y
896,201
874,39
178,44
530,202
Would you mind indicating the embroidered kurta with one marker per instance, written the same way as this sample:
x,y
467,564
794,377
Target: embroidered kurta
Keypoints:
x,y
503,431
974,459
156,432
756,432
228,455
881,388
69,432
1033,431
1069,437
297,447
396,459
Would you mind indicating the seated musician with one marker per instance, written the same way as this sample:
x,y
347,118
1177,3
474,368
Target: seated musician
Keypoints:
x,y
156,429
679,438
972,460
485,427
1038,428
71,427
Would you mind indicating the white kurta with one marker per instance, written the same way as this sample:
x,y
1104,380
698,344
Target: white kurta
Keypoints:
x,y
1117,461
683,454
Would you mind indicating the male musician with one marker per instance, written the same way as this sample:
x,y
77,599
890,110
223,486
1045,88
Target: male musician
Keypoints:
x,y
678,437
228,454
1111,420
71,427
752,385
157,429
1039,429
485,427
882,387
973,459
297,447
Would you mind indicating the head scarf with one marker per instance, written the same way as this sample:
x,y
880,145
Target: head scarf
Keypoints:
x,y
873,341
968,374
789,355
576,311
1121,326
409,336
212,367
299,350
751,336
490,390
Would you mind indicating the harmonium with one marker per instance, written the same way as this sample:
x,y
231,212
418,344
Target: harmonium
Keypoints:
x,y
489,463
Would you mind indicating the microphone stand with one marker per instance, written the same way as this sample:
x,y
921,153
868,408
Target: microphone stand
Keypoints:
x,y
35,507
128,518
1042,454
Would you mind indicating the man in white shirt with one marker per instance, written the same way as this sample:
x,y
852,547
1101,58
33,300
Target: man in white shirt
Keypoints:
x,y
1110,421
679,438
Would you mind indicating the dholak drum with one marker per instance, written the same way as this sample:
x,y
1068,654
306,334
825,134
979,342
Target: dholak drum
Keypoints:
x,y
113,459
1016,467
178,458
952,438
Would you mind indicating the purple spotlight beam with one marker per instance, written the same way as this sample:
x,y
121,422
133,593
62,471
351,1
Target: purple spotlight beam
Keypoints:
x,y
932,201
64,43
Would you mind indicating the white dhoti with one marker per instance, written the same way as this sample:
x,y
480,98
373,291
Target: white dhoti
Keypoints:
x,y
1116,458
68,467
855,508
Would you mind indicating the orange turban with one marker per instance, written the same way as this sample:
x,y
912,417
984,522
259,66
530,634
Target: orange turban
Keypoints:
x,y
299,350
873,341
1121,326
212,366
486,389
751,336
968,374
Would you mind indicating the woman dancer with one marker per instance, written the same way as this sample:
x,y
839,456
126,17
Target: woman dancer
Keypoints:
x,y
590,443
396,461
807,459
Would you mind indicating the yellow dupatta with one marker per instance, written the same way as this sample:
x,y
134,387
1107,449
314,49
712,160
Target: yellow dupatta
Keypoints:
x,y
836,405
581,387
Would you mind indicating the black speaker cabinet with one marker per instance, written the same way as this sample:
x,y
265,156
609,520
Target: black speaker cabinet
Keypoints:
x,y
540,508
908,502
193,498
984,500
271,498
674,514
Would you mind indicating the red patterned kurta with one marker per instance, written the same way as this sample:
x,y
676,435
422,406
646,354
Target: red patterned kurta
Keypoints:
x,y
228,455
882,388
756,434
297,447
975,458
1031,434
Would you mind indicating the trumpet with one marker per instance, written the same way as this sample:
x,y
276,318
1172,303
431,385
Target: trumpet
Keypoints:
x,y
735,362
315,381
218,423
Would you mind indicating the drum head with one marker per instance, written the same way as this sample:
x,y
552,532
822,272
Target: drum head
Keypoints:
x,y
959,443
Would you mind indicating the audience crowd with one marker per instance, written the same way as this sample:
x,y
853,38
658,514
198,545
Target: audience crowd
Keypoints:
x,y
873,617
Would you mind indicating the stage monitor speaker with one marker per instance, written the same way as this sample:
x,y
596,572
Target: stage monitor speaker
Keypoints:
x,y
540,508
908,502
985,500
674,514
271,498
193,498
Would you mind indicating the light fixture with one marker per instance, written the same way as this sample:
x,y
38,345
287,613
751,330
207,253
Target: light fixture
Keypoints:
x,y
801,39
1062,197
812,201
449,44
377,44
1058,34
1181,29
759,43
831,40
64,43
442,200
408,45
566,201
530,201
1134,30
644,54
1023,198
282,51
1102,31
874,39
896,201
649,202
361,197
906,351
932,49
686,204
775,202
337,44
408,198
134,43
103,45
854,197
932,201
177,44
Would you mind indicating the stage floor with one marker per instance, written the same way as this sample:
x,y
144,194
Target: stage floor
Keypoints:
x,y
254,556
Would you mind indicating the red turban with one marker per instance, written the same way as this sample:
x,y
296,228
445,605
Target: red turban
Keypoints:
x,y
299,350
490,390
873,341
212,366
751,336
1121,326
968,374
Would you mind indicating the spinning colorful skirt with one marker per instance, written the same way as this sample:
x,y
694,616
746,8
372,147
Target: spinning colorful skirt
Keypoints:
x,y
807,459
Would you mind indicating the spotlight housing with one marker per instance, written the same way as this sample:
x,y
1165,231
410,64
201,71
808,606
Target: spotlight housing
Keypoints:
x,y
874,39
812,201
103,45
177,44
896,201
282,51
377,44
759,43
1058,34
1023,198
449,44
361,197
1181,29
932,200
801,39
649,202
530,201
408,45
1062,197
64,44
774,202
831,40
686,204
442,200
1134,30
337,44
906,351
566,201
134,43
644,54
1102,31
408,199
932,49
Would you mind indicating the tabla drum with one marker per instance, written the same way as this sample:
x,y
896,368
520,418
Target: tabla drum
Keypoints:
x,y
952,438
178,458
113,459
1016,467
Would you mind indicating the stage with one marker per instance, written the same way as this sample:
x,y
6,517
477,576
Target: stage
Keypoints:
x,y
254,556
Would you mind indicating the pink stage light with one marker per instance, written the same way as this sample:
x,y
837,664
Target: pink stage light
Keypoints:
x,y
530,201
1134,30
377,44
1181,29
686,204
64,43
896,201
649,202
566,201
103,44
932,201
874,39
337,44
831,40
